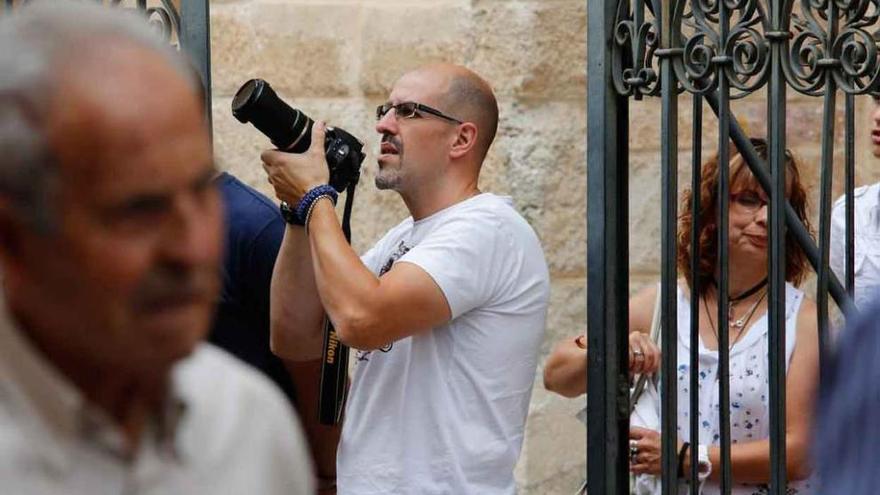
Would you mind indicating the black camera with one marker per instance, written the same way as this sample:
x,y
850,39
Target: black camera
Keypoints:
x,y
291,130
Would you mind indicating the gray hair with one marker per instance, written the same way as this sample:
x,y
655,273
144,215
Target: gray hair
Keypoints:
x,y
40,40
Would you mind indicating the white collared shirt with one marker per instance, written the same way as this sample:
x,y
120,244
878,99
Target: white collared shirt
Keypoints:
x,y
866,235
225,430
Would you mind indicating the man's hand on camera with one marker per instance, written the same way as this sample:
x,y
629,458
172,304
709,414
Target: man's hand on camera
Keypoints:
x,y
293,175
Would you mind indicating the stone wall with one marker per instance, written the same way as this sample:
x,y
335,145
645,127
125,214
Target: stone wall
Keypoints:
x,y
337,59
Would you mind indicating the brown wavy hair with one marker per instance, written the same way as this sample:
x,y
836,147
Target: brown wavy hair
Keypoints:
x,y
796,262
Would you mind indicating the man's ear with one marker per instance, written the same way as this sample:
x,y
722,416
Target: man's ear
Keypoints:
x,y
465,140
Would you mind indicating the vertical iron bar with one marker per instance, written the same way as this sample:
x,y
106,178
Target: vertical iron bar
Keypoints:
x,y
638,13
849,187
723,254
195,39
696,182
607,261
825,210
668,270
669,275
776,262
827,161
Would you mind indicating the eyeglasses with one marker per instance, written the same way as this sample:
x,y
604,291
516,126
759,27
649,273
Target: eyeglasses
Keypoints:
x,y
410,110
748,201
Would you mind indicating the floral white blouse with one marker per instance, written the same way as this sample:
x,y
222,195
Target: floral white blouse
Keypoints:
x,y
749,387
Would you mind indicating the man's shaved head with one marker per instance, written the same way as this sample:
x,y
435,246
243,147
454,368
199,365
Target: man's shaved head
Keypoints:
x,y
469,98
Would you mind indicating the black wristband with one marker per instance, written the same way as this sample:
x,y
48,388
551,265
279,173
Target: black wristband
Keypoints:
x,y
289,215
681,453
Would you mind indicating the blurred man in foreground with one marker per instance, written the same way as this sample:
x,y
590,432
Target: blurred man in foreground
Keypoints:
x,y
110,245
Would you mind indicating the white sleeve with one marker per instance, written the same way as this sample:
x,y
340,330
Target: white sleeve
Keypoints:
x,y
372,258
837,254
369,259
463,256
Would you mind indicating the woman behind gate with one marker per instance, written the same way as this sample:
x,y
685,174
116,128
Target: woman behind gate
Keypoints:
x,y
565,371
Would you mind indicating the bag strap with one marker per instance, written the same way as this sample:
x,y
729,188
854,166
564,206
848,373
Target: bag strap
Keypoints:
x,y
655,320
655,337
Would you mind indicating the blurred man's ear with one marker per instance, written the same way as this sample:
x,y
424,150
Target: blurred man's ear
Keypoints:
x,y
11,229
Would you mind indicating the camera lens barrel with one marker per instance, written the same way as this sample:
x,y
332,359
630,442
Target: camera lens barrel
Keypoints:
x,y
288,128
291,130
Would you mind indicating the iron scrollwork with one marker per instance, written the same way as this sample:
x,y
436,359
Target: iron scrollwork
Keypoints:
x,y
748,47
820,38
833,38
856,47
742,55
636,40
699,53
164,17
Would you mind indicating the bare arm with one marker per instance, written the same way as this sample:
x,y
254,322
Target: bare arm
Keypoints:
x,y
295,311
566,369
367,311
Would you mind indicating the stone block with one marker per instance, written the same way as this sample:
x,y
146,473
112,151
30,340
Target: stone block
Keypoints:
x,y
645,207
645,121
532,48
237,147
554,448
233,48
306,49
543,148
399,37
567,315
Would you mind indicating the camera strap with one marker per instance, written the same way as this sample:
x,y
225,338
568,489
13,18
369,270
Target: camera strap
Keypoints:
x,y
334,364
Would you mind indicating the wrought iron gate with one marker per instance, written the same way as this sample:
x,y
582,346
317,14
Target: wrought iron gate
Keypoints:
x,y
713,51
186,27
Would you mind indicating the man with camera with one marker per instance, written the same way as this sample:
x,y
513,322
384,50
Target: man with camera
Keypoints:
x,y
446,311
110,245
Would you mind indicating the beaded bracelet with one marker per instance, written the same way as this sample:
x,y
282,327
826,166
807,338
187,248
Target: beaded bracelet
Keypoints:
x,y
312,208
305,204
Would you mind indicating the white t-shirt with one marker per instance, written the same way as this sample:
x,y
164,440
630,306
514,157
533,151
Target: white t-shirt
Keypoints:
x,y
444,411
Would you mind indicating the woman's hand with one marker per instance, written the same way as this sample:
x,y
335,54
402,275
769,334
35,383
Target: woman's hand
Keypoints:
x,y
644,448
644,355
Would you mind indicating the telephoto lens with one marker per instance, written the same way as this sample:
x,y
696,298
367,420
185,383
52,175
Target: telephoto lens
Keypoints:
x,y
288,128
291,130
